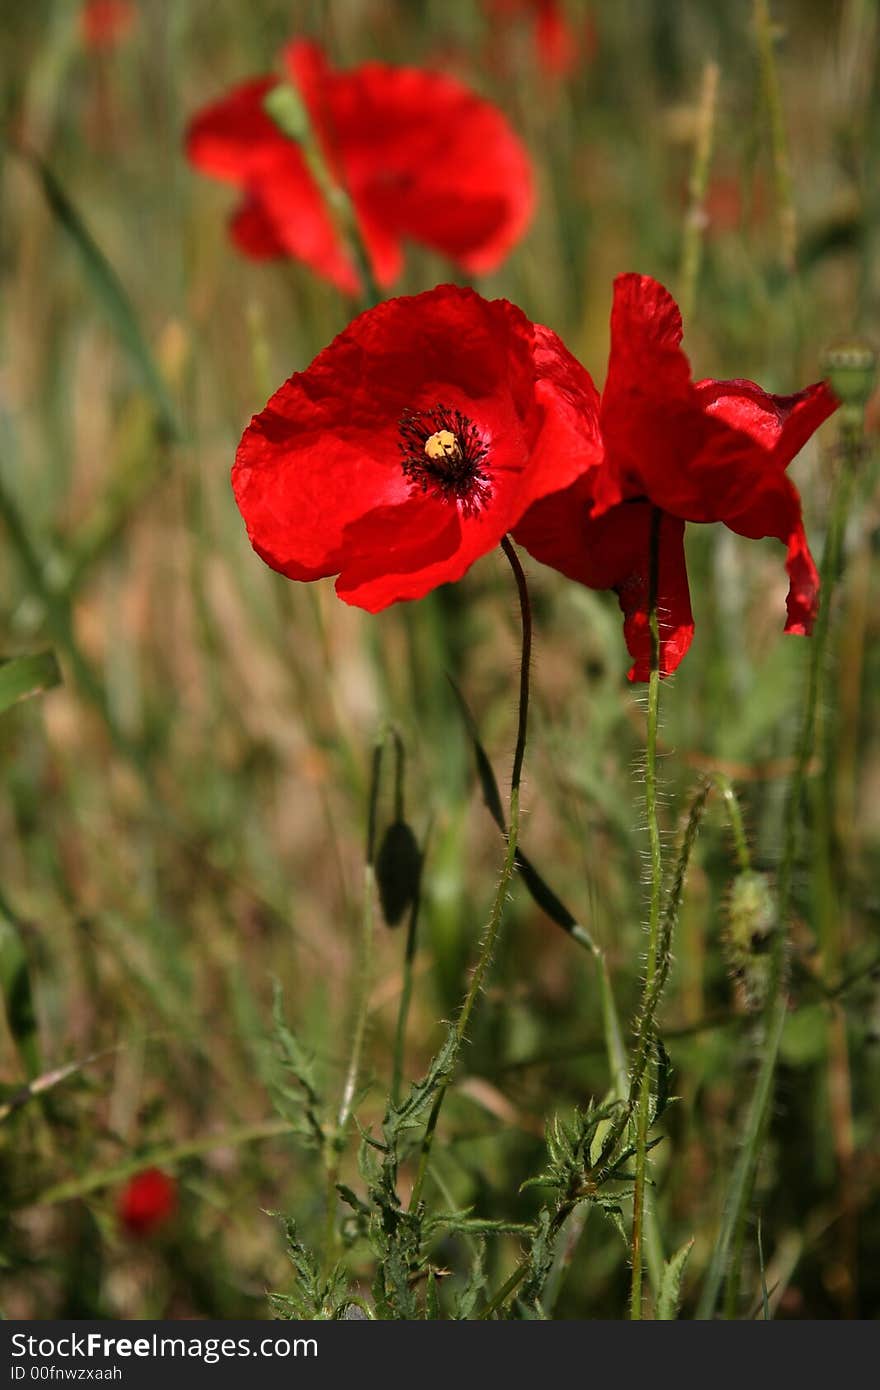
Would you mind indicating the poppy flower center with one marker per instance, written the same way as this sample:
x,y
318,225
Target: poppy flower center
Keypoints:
x,y
444,453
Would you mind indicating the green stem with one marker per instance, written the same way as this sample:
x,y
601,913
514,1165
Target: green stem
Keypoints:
x,y
336,1141
644,1103
735,820
62,630
164,1156
490,935
742,1182
406,988
286,108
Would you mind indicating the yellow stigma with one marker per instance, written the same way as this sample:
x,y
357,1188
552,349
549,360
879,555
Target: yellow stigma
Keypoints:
x,y
442,445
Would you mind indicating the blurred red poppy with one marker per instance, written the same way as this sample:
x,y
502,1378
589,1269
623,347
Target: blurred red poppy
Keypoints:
x,y
560,48
419,155
147,1201
412,445
699,451
105,23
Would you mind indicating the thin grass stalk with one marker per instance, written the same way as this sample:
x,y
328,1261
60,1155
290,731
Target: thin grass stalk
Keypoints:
x,y
409,953
695,222
782,179
336,1141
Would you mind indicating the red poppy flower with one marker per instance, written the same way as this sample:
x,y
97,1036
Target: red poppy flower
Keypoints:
x,y
412,445
698,451
147,1201
560,48
105,23
419,154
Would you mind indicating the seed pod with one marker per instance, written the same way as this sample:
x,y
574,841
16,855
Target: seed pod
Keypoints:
x,y
748,938
852,369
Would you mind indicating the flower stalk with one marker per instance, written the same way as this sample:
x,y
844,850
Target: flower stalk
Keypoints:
x,y
643,1112
490,935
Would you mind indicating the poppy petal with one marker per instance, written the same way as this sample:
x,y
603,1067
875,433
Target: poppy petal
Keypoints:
x,y
319,476
777,512
420,155
612,551
702,451
234,139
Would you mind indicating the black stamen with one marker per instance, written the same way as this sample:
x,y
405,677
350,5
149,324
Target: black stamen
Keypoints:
x,y
453,470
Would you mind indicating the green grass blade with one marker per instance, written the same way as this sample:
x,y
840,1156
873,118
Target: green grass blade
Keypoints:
x,y
24,676
109,293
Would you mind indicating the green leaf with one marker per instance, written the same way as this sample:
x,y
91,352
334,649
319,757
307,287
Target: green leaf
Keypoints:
x,y
488,784
669,1298
537,886
24,676
664,1079
109,293
466,1299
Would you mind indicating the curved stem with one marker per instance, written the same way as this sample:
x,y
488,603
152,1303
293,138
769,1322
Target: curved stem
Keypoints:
x,y
644,1103
490,935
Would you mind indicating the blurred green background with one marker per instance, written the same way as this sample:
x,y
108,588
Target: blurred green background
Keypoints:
x,y
183,819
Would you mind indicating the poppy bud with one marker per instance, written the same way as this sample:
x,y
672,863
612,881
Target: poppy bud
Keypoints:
x,y
751,922
851,366
398,869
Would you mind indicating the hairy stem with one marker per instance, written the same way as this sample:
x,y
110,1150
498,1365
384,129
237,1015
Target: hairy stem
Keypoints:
x,y
644,1101
490,935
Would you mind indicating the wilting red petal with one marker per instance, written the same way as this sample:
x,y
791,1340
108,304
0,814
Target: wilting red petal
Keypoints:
x,y
613,552
147,1200
777,512
781,425
706,451
319,475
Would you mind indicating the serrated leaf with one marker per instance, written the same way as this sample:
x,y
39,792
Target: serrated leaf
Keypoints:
x,y
467,1297
597,1143
24,676
664,1079
300,1104
669,1297
351,1199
